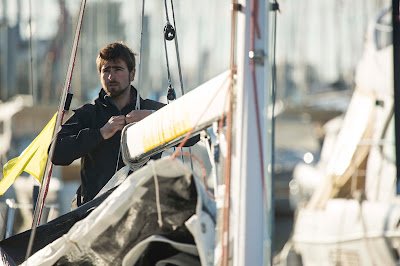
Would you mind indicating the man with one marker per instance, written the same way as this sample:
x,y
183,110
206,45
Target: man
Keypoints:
x,y
93,132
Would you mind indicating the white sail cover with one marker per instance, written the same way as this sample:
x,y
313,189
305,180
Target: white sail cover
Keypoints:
x,y
125,224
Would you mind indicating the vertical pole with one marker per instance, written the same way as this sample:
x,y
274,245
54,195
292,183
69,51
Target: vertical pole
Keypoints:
x,y
396,84
249,216
4,55
270,98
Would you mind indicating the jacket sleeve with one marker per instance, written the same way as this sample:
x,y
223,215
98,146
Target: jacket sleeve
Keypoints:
x,y
76,138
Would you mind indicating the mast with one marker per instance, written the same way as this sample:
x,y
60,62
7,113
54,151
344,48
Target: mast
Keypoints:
x,y
396,84
250,200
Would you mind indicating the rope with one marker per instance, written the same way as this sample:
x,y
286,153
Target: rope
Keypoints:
x,y
203,169
137,107
30,52
227,172
179,67
137,104
166,58
165,45
119,155
177,49
172,29
227,181
60,116
157,191
255,28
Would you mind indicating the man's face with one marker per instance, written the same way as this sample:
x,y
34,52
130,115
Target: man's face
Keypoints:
x,y
116,78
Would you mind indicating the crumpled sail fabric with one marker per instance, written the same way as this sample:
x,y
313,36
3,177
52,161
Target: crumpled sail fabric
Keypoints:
x,y
14,248
160,214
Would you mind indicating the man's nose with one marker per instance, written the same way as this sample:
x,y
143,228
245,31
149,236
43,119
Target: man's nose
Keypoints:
x,y
111,75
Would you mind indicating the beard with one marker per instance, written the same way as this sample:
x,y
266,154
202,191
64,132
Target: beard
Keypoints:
x,y
115,88
116,91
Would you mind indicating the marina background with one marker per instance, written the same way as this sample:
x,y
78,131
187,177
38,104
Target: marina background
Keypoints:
x,y
318,46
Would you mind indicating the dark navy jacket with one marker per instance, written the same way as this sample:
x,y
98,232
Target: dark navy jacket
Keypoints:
x,y
80,137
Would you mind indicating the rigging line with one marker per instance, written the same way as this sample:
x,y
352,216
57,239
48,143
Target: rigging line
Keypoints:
x,y
254,12
169,34
119,155
178,59
170,86
165,46
137,106
177,50
254,27
227,172
227,181
227,175
166,57
166,10
31,52
60,115
157,192
203,169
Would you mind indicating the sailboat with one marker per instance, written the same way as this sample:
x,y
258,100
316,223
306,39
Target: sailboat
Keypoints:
x,y
163,213
352,216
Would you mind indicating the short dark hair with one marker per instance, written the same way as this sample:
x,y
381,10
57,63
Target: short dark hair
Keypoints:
x,y
113,51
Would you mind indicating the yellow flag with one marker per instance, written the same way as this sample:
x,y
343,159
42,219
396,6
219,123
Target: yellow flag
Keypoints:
x,y
32,160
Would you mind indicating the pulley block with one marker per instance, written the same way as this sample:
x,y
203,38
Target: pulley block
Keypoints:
x,y
171,95
169,32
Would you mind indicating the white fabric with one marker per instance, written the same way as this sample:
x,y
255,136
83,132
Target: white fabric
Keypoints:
x,y
134,254
85,232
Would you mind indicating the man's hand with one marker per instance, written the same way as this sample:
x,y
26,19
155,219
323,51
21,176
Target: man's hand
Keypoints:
x,y
114,124
117,123
137,115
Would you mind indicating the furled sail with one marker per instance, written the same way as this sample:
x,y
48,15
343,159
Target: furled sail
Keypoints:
x,y
196,110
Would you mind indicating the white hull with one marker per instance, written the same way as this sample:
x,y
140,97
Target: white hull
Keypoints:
x,y
348,233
